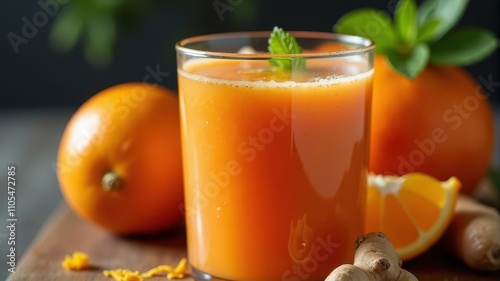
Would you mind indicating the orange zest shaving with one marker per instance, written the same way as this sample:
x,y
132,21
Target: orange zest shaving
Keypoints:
x,y
123,275
78,261
179,270
127,275
157,271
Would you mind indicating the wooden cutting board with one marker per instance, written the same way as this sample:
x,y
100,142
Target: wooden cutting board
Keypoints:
x,y
65,233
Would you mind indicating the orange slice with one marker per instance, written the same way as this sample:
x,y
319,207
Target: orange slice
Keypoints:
x,y
413,210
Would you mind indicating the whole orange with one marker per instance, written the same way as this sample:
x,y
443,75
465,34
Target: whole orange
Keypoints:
x,y
439,123
119,160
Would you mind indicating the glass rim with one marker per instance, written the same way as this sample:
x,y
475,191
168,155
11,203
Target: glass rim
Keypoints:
x,y
365,45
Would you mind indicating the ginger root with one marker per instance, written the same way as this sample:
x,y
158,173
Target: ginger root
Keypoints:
x,y
375,259
474,234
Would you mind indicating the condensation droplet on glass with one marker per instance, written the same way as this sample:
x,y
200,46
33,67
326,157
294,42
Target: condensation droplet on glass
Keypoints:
x,y
218,214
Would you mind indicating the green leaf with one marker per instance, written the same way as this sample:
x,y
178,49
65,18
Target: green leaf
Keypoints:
x,y
463,46
494,174
281,42
428,30
369,23
101,33
449,12
410,64
67,29
405,20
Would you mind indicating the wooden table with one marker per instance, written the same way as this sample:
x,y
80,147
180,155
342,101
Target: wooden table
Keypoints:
x,y
66,233
29,140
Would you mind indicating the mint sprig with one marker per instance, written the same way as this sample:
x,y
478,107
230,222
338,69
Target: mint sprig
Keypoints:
x,y
281,42
417,36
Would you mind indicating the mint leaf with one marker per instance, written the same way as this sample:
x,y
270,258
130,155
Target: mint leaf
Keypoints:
x,y
427,31
463,46
369,23
410,64
405,20
449,12
282,42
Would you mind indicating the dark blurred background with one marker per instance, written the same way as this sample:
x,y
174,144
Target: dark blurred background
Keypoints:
x,y
50,65
40,75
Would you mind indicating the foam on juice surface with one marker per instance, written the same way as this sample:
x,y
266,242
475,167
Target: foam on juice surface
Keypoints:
x,y
206,70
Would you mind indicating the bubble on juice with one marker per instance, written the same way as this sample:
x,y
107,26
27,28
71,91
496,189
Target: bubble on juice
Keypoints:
x,y
247,50
258,73
313,82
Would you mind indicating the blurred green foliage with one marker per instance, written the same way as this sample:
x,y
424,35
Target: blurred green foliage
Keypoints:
x,y
98,24
494,174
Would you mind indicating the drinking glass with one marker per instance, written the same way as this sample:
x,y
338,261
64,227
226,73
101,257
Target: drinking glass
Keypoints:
x,y
275,160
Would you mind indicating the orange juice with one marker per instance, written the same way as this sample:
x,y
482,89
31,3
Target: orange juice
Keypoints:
x,y
275,166
276,173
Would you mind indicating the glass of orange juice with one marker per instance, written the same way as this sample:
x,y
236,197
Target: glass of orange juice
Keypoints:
x,y
275,161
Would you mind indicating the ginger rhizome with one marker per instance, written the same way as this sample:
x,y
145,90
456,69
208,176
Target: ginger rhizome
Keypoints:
x,y
474,234
375,259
